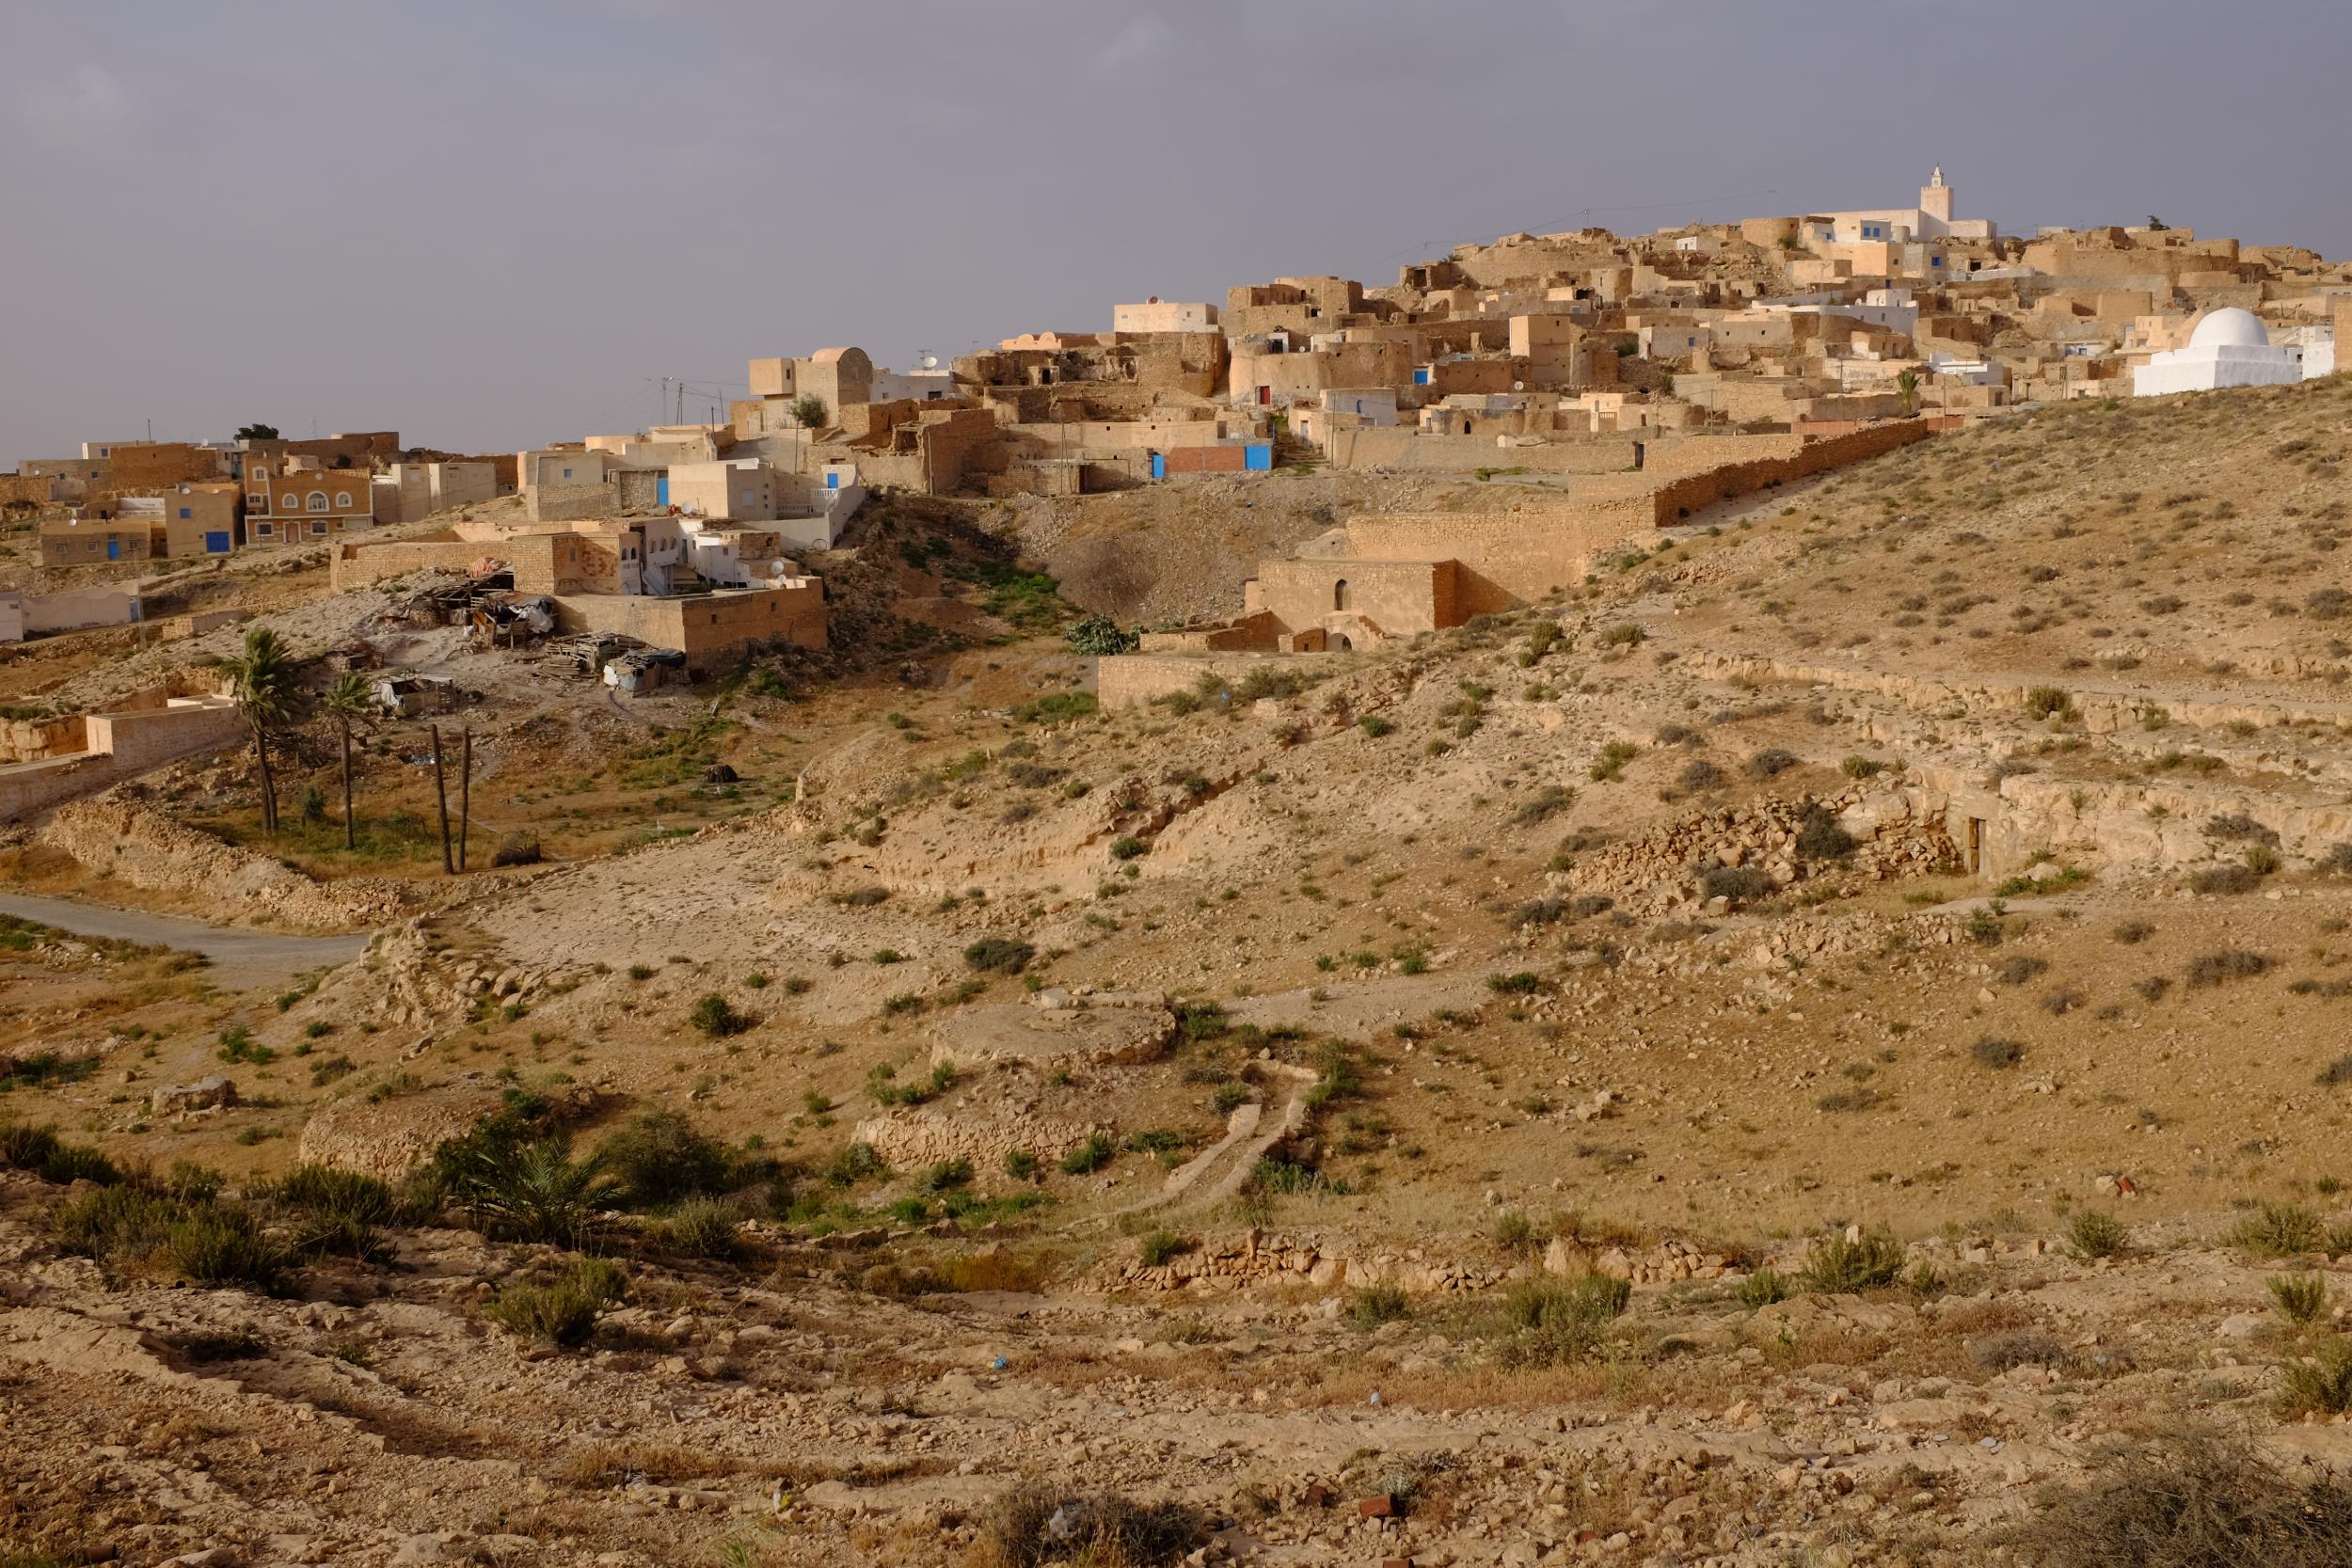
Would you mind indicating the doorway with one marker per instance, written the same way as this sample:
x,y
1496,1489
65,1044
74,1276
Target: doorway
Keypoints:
x,y
1976,845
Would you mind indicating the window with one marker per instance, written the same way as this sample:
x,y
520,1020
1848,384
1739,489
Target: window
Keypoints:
x,y
567,473
185,512
343,501
289,502
318,500
265,531
318,524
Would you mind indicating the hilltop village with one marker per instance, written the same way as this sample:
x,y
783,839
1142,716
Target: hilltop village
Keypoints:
x,y
1665,900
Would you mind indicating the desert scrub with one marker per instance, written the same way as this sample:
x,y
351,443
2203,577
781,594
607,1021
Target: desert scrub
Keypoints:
x,y
2228,965
2319,1384
716,1017
1034,1524
1763,1287
2188,1496
40,1150
563,1311
1378,1303
188,1235
702,1228
1842,1263
1610,766
1087,1157
2279,1230
1992,1050
999,955
2300,1298
1156,1247
1545,1322
2096,1234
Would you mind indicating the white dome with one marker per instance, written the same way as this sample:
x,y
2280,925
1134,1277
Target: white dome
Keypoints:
x,y
2229,328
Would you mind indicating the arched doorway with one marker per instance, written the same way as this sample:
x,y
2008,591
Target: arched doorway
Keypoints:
x,y
1339,595
1340,643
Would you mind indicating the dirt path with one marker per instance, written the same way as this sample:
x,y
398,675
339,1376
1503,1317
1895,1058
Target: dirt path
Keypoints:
x,y
241,960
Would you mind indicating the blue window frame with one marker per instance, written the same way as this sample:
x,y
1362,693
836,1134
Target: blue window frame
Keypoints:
x,y
185,512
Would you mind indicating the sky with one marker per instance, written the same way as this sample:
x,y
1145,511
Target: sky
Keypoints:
x,y
489,224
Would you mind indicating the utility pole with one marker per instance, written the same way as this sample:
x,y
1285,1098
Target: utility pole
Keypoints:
x,y
440,799
465,796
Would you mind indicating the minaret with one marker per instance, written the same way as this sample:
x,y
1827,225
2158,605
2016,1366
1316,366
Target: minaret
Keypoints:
x,y
1935,198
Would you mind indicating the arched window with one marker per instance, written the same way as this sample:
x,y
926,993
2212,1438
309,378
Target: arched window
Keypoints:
x,y
343,501
1339,595
318,500
289,502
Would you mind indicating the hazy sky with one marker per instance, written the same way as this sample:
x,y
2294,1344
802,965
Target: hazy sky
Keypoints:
x,y
495,223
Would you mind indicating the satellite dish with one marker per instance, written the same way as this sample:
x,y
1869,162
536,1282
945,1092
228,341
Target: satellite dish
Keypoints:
x,y
1518,386
930,361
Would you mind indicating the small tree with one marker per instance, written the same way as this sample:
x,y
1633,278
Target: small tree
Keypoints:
x,y
269,698
1907,383
810,410
257,433
348,700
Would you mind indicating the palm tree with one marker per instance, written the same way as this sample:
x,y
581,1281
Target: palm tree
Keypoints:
x,y
1907,383
346,700
269,698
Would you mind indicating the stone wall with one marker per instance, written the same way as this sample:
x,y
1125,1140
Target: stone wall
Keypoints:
x,y
359,565
705,627
1396,447
1127,679
117,746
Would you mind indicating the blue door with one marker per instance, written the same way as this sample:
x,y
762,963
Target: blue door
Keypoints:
x,y
114,549
661,491
216,542
833,482
1159,464
1258,455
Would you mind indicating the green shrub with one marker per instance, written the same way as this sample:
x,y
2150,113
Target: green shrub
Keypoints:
x,y
945,1176
1378,1303
1821,837
563,1312
2095,1234
516,1185
1742,884
2230,963
1087,1157
2321,1386
1764,1286
213,1244
2300,1298
704,1227
715,1016
857,1163
999,955
1376,726
1128,847
341,1212
2045,701
1521,983
1549,1321
1837,1265
2281,1230
658,1158
1156,1247
39,1150
1019,1164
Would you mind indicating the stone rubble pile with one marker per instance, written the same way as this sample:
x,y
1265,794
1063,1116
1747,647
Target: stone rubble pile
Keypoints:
x,y
1664,871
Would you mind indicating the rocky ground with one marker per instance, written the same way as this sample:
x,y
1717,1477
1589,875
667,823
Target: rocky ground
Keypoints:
x,y
1237,1102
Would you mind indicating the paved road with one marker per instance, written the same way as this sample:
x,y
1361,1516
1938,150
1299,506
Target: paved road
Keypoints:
x,y
242,959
